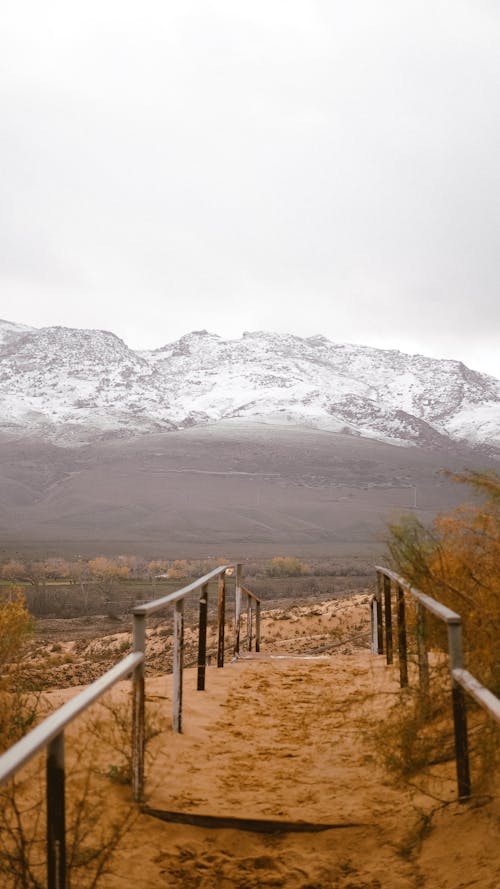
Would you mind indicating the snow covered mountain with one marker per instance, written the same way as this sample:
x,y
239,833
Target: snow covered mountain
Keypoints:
x,y
77,385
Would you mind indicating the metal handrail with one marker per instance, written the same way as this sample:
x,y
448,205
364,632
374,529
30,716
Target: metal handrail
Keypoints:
x,y
49,734
252,595
483,696
461,680
432,605
171,598
139,614
40,737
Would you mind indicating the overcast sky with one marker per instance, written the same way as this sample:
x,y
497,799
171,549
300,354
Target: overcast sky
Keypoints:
x,y
310,166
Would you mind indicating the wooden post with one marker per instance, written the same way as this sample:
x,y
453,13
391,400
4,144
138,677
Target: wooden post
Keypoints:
x,y
402,650
257,626
249,623
138,710
461,740
374,627
388,619
221,619
202,638
422,655
56,826
459,712
380,619
237,611
178,665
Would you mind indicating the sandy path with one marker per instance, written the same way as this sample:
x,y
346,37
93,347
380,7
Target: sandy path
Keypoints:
x,y
290,739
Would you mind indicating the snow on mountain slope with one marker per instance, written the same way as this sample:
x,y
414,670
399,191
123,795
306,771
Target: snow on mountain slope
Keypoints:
x,y
10,332
377,393
82,384
57,380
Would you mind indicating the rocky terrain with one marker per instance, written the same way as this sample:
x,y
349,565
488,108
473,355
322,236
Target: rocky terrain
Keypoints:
x,y
75,386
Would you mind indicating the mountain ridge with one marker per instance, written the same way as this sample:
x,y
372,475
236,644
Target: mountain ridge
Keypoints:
x,y
75,386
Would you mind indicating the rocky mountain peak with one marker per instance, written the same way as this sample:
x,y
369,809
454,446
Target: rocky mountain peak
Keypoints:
x,y
57,378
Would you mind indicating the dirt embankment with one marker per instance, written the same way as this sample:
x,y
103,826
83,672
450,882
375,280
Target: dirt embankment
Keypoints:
x,y
76,651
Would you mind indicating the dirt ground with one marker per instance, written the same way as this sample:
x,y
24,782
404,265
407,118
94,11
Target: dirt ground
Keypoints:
x,y
286,735
76,651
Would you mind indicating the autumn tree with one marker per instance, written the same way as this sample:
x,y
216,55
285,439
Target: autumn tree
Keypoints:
x,y
105,572
13,570
286,566
178,569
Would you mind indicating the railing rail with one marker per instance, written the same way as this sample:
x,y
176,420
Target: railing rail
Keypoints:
x,y
253,602
20,753
171,598
483,696
49,734
461,680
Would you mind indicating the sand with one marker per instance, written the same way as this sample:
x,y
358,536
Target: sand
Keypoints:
x,y
292,738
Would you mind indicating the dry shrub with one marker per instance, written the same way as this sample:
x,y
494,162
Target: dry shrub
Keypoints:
x,y
456,561
112,727
91,838
18,707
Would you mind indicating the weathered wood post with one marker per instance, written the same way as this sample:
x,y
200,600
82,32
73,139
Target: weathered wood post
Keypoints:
x,y
56,817
257,626
237,611
423,657
374,627
178,665
202,637
388,619
249,622
402,649
380,619
221,619
138,709
459,709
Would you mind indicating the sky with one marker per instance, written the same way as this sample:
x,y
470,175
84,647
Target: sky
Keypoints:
x,y
308,167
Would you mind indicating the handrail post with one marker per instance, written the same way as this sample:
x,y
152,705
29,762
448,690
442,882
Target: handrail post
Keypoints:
x,y
257,626
237,611
178,665
138,710
423,657
373,626
380,619
402,650
388,619
56,817
459,712
221,619
249,623
202,637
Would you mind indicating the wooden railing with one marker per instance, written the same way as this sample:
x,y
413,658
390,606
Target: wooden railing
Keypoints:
x,y
461,680
49,734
